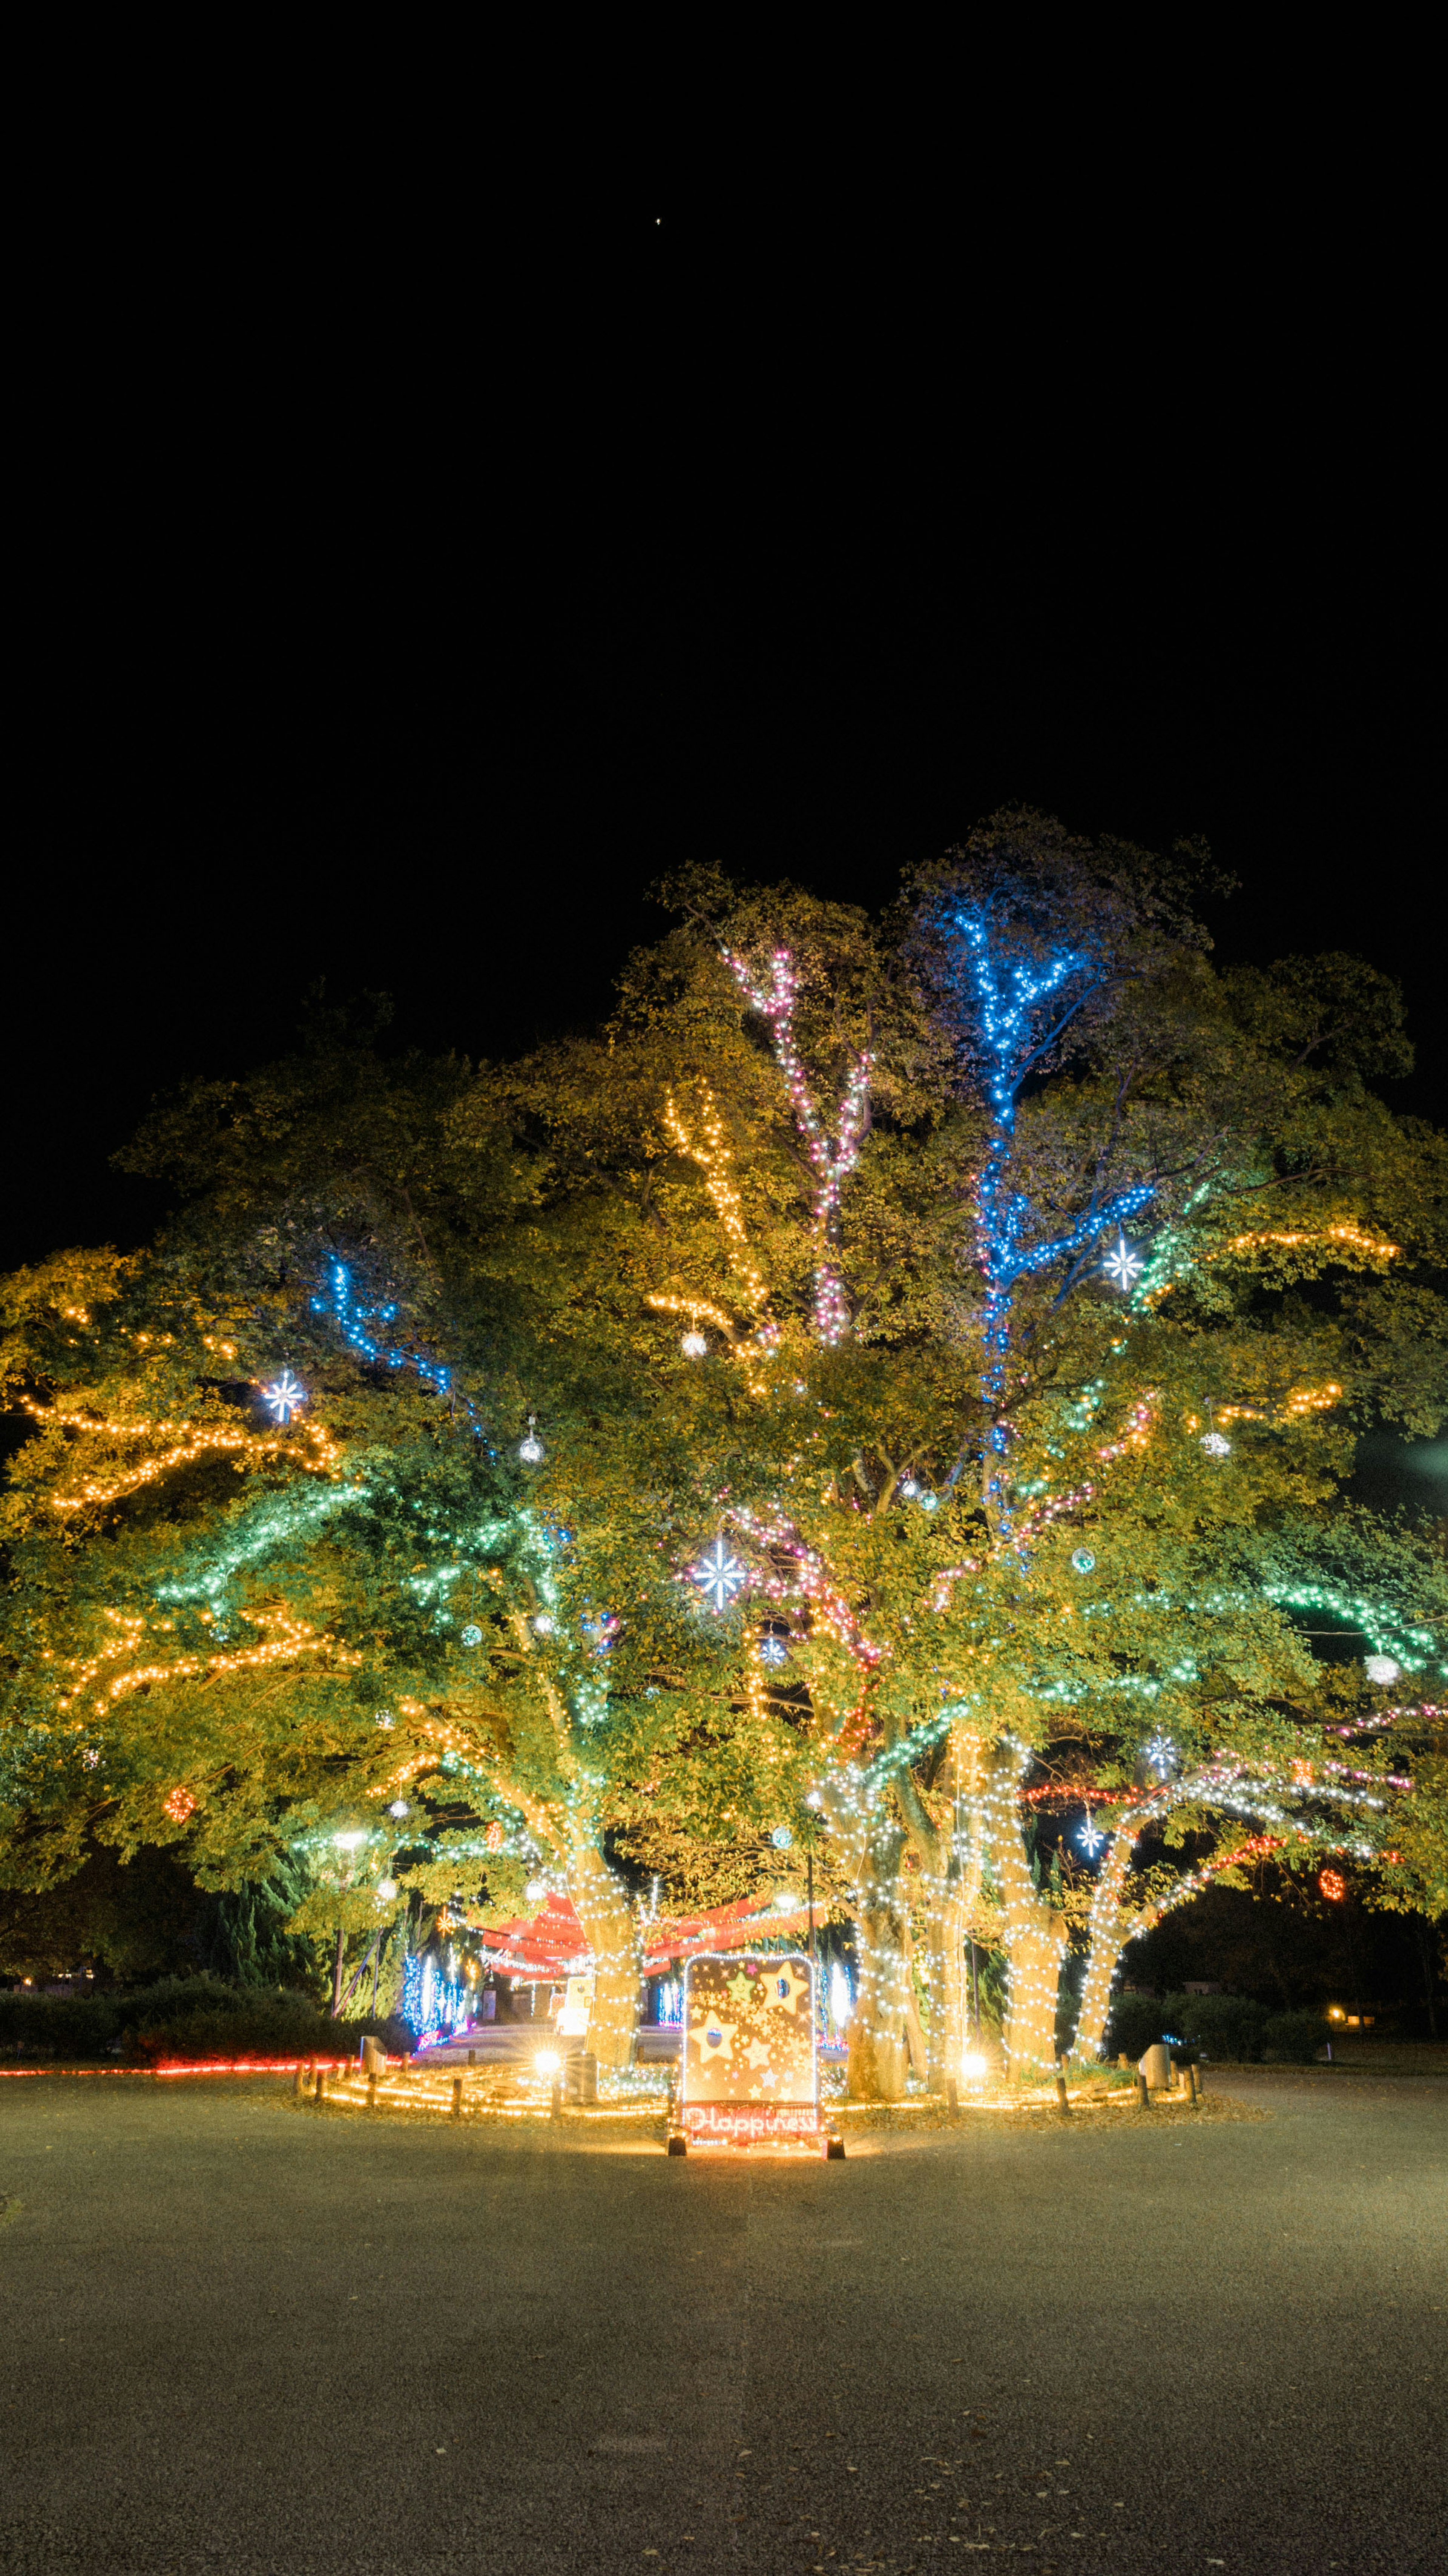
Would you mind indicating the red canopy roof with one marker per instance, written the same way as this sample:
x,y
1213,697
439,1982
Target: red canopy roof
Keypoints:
x,y
552,1943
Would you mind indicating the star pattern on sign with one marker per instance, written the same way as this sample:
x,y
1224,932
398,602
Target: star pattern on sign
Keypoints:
x,y
719,1575
1123,1265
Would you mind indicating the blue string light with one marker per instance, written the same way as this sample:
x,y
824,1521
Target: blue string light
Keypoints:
x,y
1008,1006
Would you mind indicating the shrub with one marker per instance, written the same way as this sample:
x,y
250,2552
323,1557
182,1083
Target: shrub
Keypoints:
x,y
1217,2026
57,2025
1136,2021
1295,2036
186,2017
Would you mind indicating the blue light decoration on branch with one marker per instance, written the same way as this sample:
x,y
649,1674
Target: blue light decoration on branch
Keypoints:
x,y
719,1575
285,1396
1018,1011
358,1324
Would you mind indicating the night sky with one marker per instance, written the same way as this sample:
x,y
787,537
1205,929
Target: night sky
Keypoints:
x,y
425,703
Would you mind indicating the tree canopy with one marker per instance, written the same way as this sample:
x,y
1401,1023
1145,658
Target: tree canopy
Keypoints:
x,y
895,1388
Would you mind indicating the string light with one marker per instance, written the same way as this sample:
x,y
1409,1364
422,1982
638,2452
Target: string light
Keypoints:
x,y
190,1442
833,1157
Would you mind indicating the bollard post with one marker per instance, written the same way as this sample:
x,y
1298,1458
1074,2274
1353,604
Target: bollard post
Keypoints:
x,y
297,2082
321,2084
457,2109
1063,2099
1143,2097
1190,2073
371,2092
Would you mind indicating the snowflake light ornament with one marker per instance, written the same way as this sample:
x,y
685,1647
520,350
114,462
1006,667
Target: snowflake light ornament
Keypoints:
x,y
285,1396
773,1650
719,1575
1123,1265
1161,1753
1090,1837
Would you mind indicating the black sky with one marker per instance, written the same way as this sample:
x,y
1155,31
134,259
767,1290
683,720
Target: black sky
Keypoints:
x,y
355,655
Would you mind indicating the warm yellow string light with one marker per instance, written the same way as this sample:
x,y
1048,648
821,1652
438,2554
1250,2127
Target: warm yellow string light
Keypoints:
x,y
313,1448
1351,1236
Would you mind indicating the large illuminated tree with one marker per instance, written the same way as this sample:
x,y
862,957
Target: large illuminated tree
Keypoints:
x,y
1077,1331
872,1504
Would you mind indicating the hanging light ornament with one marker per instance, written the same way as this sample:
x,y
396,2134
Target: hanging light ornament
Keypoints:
x,y
1213,1441
693,1345
773,1650
1090,1837
542,1625
472,1636
719,1575
781,1838
285,1396
1083,1560
531,1450
1161,1753
1382,1668
1123,1265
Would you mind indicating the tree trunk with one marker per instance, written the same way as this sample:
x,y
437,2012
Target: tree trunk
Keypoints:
x,y
1035,1947
945,1932
882,2000
1110,1931
612,1931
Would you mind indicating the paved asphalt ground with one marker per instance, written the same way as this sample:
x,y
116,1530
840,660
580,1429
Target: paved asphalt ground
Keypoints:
x,y
238,2336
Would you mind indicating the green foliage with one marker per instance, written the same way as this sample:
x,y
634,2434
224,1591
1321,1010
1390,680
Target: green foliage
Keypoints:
x,y
1295,2036
182,2018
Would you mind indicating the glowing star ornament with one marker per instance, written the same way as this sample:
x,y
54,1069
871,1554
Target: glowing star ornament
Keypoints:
x,y
531,1450
1123,1265
719,1575
285,1396
1382,1668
